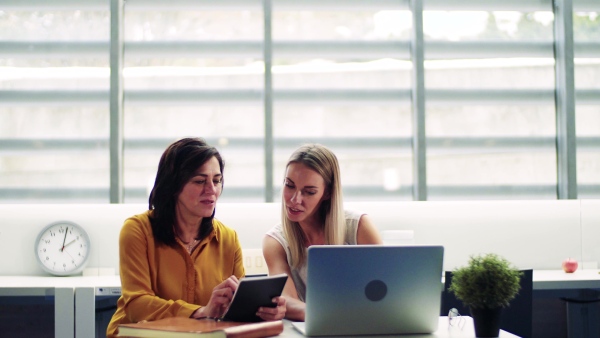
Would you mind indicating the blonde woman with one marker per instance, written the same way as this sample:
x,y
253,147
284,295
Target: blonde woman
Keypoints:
x,y
312,214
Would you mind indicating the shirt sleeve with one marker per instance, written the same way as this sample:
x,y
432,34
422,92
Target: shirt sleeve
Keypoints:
x,y
140,300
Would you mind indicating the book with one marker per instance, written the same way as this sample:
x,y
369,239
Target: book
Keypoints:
x,y
252,293
180,327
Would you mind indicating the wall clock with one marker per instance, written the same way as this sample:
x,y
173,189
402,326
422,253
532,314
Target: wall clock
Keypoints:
x,y
62,248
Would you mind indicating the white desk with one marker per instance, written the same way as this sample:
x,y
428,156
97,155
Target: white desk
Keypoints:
x,y
61,288
465,330
85,301
560,280
75,297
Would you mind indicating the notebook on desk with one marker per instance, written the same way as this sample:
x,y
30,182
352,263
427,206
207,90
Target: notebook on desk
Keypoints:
x,y
372,289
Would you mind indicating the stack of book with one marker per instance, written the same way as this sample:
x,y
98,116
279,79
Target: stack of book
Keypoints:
x,y
179,327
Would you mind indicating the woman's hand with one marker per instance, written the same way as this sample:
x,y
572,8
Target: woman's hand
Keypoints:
x,y
219,300
273,313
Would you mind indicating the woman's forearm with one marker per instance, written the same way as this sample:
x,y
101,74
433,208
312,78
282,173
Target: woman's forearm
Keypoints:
x,y
295,309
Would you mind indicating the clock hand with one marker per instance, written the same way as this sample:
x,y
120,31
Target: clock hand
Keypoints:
x,y
71,242
64,239
69,254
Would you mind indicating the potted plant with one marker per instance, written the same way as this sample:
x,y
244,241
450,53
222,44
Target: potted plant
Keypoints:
x,y
486,285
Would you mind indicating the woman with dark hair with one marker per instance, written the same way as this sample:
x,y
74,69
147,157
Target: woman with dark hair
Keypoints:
x,y
176,259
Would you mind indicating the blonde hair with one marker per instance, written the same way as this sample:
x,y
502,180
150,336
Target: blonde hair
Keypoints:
x,y
331,211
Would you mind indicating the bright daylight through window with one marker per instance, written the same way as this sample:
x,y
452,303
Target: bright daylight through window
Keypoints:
x,y
258,78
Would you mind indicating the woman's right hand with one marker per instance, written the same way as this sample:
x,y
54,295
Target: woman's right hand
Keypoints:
x,y
219,300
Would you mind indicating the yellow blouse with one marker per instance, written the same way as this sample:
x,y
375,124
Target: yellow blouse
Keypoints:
x,y
159,281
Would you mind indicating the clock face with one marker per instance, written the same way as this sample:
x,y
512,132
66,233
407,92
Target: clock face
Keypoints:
x,y
62,248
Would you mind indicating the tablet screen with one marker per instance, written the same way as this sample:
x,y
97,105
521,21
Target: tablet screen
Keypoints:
x,y
252,293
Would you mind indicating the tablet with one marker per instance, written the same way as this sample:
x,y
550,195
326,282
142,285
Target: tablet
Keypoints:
x,y
252,293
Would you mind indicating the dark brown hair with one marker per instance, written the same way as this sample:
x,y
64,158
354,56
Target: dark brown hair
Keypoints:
x,y
177,166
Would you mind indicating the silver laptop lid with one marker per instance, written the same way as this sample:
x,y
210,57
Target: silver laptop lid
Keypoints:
x,y
373,289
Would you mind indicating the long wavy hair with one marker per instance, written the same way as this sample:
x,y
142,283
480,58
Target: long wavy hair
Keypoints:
x,y
331,211
176,167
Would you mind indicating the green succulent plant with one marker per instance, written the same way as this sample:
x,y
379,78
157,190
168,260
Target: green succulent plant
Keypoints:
x,y
488,281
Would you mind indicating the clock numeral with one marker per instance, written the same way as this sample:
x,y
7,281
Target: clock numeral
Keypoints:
x,y
47,241
47,258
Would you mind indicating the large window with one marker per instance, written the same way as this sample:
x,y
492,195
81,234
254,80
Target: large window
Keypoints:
x,y
54,115
258,78
194,72
586,32
339,75
490,117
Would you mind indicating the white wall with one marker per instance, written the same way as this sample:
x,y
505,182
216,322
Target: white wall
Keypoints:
x,y
590,225
530,234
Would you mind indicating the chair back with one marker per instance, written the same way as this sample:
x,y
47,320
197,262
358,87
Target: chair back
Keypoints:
x,y
517,318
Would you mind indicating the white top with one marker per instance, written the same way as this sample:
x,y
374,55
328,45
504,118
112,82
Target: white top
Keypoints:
x,y
299,275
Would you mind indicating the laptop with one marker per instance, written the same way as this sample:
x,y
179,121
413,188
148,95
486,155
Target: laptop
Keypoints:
x,y
372,289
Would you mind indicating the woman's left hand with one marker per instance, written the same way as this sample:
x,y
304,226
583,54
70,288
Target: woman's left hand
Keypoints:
x,y
273,313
